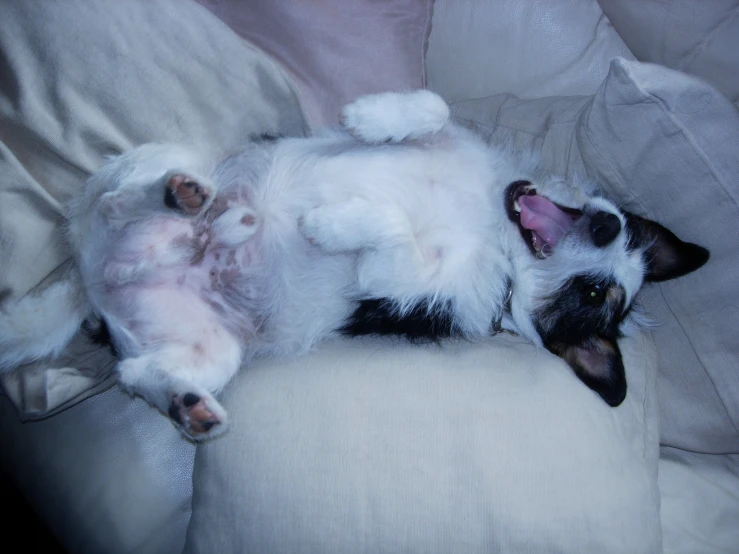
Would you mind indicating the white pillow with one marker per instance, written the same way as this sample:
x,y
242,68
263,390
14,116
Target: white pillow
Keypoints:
x,y
700,38
337,50
528,48
375,445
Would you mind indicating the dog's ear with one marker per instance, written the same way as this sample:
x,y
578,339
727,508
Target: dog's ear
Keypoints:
x,y
666,256
597,362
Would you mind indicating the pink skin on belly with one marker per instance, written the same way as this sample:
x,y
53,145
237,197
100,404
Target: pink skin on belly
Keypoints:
x,y
168,270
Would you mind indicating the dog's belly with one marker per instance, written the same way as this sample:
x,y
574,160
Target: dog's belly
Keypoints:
x,y
276,292
279,293
159,282
274,299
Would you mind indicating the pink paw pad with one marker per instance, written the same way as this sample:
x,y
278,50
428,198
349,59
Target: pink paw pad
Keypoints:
x,y
185,194
192,413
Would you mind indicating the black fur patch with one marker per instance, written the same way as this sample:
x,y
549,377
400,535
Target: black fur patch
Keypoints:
x,y
666,256
170,200
190,399
99,334
377,316
587,305
580,323
604,228
174,413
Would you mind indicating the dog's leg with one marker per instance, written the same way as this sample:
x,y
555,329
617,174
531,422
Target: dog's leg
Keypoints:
x,y
354,225
186,194
180,379
157,242
191,408
395,116
175,192
392,262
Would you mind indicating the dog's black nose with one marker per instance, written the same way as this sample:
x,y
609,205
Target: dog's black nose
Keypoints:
x,y
604,227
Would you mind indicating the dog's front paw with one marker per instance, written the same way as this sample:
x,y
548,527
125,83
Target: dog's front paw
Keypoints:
x,y
321,227
199,417
187,195
395,116
354,225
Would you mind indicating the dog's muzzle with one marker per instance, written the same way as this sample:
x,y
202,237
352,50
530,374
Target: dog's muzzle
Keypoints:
x,y
541,222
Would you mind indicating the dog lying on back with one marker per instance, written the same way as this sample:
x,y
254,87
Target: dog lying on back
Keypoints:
x,y
401,223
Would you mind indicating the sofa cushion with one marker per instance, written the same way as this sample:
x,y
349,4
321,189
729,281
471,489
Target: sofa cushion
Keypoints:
x,y
662,143
699,502
676,138
528,48
337,50
700,38
375,445
107,475
80,81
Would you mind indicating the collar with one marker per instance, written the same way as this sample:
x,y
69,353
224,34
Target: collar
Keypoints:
x,y
498,323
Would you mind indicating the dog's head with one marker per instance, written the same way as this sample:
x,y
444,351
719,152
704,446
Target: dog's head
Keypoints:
x,y
580,267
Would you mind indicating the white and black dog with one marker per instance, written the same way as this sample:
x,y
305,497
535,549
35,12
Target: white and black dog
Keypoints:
x,y
402,223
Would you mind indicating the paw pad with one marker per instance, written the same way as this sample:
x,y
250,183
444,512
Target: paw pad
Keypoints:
x,y
185,194
192,413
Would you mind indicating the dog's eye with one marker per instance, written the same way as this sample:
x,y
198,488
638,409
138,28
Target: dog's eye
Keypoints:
x,y
595,294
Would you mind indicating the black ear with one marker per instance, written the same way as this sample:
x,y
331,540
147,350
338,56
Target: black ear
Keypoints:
x,y
598,364
666,256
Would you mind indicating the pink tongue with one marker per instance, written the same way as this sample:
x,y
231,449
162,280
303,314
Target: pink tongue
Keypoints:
x,y
544,218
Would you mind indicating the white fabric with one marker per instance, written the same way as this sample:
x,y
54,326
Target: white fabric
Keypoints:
x,y
696,37
700,502
370,446
530,49
107,475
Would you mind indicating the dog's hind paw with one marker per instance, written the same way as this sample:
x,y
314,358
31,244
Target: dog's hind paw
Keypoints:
x,y
185,194
199,417
395,116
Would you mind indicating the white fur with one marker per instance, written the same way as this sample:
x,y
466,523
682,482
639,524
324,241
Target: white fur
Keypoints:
x,y
395,116
299,230
41,323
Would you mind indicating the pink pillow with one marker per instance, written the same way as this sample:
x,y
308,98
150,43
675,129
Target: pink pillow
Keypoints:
x,y
336,50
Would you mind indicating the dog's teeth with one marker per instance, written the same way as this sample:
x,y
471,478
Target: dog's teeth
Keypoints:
x,y
517,207
540,251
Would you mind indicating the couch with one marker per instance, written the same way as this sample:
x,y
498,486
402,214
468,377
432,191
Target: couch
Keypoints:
x,y
374,445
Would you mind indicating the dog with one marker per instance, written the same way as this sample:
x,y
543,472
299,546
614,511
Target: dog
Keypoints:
x,y
401,222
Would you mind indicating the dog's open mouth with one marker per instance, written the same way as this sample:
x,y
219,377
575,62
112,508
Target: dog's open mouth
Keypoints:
x,y
542,223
